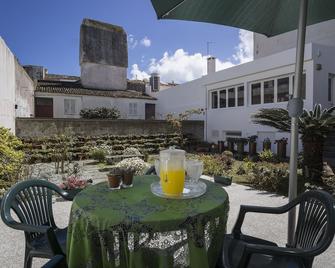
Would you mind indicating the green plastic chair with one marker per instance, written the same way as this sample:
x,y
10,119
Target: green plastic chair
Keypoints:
x,y
31,201
58,261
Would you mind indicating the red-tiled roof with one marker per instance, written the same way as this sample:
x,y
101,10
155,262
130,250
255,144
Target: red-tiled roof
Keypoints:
x,y
75,88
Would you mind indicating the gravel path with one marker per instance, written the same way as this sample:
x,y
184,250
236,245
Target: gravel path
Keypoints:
x,y
271,227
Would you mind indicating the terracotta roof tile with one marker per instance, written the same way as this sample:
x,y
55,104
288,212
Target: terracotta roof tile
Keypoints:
x,y
75,88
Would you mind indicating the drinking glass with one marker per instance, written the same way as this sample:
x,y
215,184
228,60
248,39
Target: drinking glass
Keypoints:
x,y
157,167
194,169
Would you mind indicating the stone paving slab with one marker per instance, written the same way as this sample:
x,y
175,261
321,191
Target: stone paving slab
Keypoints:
x,y
271,227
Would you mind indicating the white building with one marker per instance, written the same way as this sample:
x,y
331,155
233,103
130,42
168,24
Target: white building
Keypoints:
x,y
102,83
229,97
65,98
16,89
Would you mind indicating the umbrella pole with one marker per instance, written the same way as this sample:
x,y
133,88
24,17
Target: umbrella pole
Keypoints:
x,y
295,107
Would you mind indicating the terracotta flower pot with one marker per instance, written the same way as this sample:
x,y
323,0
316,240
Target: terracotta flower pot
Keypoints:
x,y
114,181
127,180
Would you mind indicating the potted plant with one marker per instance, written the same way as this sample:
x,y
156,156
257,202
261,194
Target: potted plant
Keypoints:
x,y
127,178
114,178
74,184
220,146
230,144
281,147
240,142
252,145
266,144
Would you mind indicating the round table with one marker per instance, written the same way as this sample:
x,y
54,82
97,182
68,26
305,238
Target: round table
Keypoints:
x,y
134,228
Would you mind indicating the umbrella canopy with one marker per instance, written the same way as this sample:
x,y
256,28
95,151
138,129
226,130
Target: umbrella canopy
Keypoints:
x,y
268,17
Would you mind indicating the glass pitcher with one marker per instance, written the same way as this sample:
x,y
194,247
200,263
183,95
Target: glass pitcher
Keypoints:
x,y
172,171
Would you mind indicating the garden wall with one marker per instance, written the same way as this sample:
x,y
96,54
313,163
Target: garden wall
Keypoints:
x,y
35,127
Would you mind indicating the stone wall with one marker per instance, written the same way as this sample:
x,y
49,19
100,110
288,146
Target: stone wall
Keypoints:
x,y
33,127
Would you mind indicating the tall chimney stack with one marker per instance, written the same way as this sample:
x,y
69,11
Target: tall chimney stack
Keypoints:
x,y
103,55
211,67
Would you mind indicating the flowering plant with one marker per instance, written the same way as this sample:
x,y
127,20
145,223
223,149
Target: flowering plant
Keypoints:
x,y
131,151
74,182
135,163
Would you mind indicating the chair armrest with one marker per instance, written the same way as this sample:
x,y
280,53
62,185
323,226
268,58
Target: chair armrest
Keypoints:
x,y
257,209
65,195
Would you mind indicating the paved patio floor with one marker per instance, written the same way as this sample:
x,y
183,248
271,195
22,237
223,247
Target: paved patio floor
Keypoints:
x,y
271,227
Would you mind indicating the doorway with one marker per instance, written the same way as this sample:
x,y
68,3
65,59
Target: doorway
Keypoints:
x,y
150,111
44,107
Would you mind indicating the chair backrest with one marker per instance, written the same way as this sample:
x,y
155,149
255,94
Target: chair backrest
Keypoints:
x,y
316,222
31,201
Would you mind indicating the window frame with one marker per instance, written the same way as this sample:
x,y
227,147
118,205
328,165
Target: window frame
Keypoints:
x,y
133,109
72,104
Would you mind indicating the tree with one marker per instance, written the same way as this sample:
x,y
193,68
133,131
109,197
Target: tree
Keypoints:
x,y
314,127
177,121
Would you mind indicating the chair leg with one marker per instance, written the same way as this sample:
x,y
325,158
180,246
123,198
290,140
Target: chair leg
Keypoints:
x,y
27,259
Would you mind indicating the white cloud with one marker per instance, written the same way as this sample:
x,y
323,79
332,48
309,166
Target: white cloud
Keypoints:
x,y
146,42
245,49
132,41
182,66
136,73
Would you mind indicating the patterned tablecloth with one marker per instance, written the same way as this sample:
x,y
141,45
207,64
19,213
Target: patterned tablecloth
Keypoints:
x,y
133,228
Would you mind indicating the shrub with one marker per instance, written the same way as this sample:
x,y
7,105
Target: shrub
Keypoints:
x,y
270,177
98,154
100,113
131,151
10,155
136,163
216,164
266,155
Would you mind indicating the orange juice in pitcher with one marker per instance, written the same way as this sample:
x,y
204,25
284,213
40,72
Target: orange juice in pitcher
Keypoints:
x,y
172,171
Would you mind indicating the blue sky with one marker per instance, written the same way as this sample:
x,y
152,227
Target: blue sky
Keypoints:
x,y
47,33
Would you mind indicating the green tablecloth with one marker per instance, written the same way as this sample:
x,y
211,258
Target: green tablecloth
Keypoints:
x,y
133,228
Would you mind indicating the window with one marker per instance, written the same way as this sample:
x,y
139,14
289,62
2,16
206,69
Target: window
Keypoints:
x,y
132,108
240,96
303,86
69,106
256,93
269,91
231,97
214,95
283,89
223,98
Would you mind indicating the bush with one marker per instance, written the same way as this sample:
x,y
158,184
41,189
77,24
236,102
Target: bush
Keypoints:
x,y
216,164
270,177
98,154
131,151
266,155
11,157
100,113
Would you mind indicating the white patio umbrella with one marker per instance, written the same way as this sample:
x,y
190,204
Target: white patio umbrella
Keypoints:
x,y
268,17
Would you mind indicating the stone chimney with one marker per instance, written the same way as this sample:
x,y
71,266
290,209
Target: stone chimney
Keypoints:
x,y
36,72
155,82
103,55
211,67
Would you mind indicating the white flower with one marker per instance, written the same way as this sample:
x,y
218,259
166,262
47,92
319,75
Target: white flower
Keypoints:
x,y
136,163
131,151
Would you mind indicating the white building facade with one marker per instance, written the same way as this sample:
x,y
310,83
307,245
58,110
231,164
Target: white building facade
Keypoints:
x,y
16,89
229,97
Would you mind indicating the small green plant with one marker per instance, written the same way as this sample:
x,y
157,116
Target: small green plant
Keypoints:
x,y
98,154
266,155
100,113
